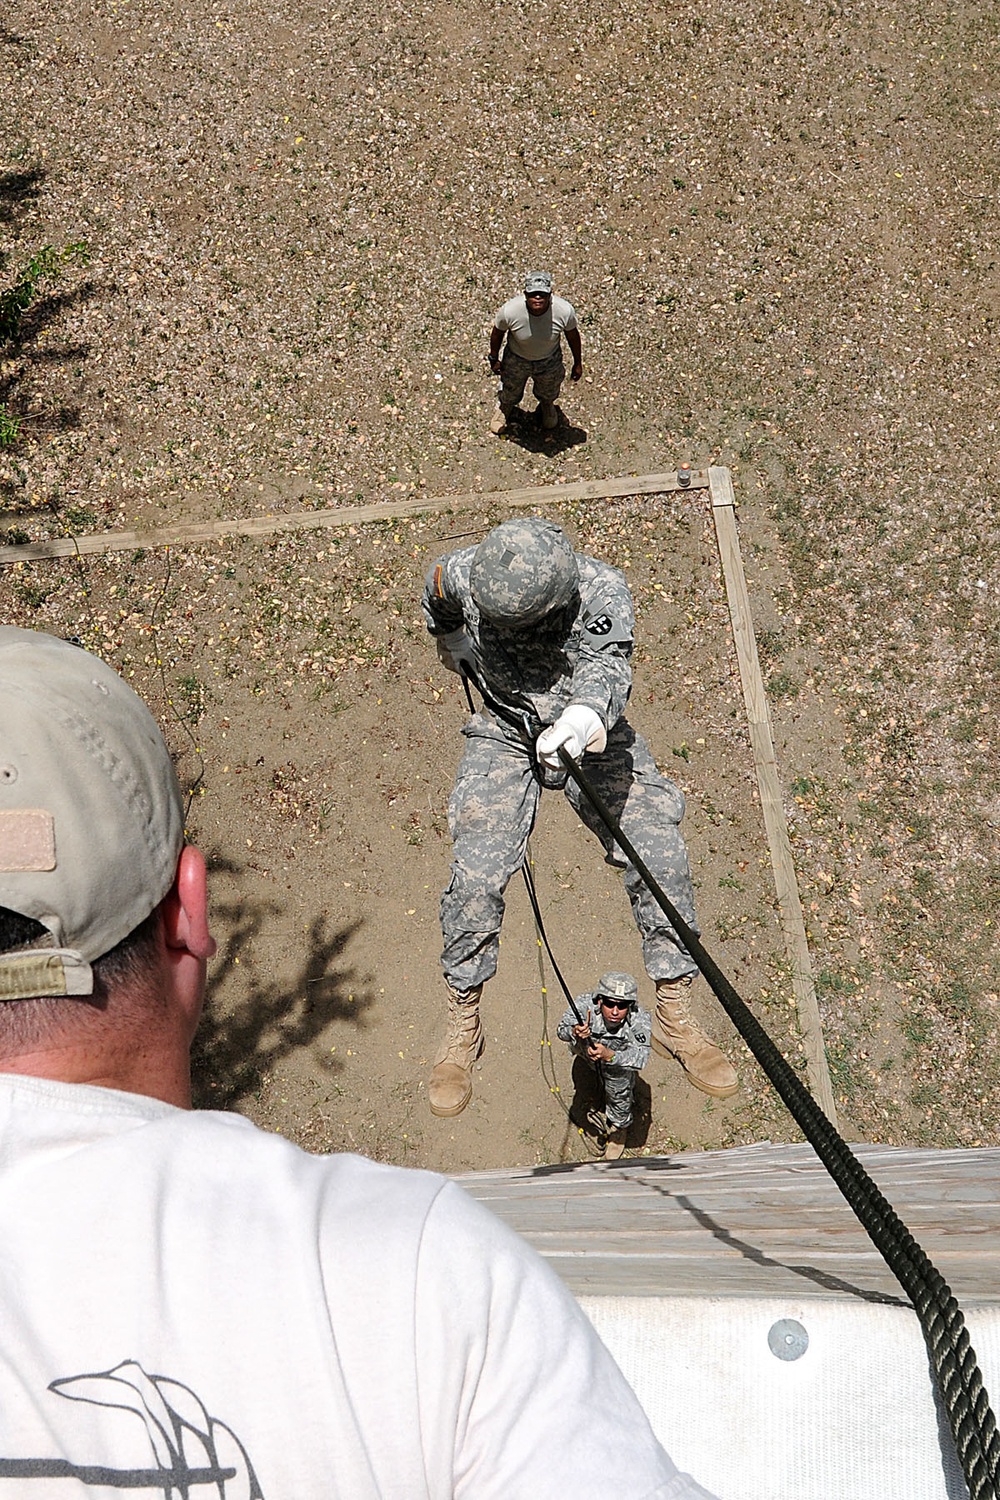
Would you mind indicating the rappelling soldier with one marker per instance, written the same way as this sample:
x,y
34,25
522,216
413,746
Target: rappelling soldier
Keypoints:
x,y
614,1038
544,634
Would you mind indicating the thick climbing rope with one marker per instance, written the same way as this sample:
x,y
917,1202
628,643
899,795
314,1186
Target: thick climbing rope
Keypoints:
x,y
543,938
953,1358
956,1369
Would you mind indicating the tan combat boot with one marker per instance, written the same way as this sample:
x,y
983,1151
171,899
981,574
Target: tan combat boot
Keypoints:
x,y
450,1087
677,1034
616,1143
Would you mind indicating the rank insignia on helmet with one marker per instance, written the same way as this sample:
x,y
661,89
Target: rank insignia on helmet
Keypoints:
x,y
600,626
524,570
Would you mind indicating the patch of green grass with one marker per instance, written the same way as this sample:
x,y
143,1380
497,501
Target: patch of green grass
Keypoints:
x,y
964,730
45,265
916,1028
770,646
33,595
10,429
194,695
920,827
77,517
830,982
840,1058
783,685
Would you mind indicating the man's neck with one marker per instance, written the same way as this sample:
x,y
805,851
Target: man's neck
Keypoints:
x,y
139,1072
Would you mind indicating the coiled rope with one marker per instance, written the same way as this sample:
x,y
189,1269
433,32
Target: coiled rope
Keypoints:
x,y
970,1416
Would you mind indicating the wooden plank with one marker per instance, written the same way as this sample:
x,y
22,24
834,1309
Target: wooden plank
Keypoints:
x,y
727,1223
191,533
766,766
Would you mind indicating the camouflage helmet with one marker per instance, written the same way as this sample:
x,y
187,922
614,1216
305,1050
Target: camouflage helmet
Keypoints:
x,y
522,571
615,986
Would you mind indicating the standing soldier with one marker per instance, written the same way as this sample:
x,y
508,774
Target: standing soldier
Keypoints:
x,y
614,1037
534,325
545,635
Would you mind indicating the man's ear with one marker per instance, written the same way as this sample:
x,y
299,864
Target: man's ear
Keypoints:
x,y
185,908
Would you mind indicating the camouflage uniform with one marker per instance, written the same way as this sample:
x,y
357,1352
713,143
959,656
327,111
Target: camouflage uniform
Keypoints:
x,y
546,376
630,1045
580,655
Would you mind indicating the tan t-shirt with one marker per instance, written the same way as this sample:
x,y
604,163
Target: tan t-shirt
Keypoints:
x,y
535,338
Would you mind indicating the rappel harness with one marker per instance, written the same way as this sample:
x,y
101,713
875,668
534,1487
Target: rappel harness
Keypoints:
x,y
956,1369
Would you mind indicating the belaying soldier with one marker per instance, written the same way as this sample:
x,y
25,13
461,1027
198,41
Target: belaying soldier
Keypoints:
x,y
545,635
614,1038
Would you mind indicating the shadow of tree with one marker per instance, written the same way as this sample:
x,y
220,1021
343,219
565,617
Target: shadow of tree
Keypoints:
x,y
42,313
240,1042
31,409
22,392
18,190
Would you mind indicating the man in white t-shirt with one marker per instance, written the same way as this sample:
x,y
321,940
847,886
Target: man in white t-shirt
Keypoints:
x,y
534,326
192,1306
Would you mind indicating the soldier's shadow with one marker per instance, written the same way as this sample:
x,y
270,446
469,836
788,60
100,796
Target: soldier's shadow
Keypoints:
x,y
586,1110
525,429
642,1115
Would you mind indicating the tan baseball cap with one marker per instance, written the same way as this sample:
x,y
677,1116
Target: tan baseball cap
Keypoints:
x,y
91,813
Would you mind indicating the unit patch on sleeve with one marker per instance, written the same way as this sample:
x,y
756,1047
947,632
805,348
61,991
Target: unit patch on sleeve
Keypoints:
x,y
601,624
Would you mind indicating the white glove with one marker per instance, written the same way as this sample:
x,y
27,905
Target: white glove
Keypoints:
x,y
578,728
453,648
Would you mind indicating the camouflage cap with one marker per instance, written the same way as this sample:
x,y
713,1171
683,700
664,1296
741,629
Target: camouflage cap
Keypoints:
x,y
523,570
615,986
538,281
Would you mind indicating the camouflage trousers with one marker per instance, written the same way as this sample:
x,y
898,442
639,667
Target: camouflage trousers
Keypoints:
x,y
619,1091
491,814
546,376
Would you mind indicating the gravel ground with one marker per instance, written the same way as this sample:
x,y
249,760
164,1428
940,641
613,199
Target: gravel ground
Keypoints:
x,y
778,226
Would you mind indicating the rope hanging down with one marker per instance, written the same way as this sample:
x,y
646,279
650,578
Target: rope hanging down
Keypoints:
x,y
529,882
547,1064
970,1416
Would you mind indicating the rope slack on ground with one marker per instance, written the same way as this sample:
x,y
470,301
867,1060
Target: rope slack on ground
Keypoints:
x,y
956,1369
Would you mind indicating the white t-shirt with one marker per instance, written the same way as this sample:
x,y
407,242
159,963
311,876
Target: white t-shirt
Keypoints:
x,y
185,1299
535,338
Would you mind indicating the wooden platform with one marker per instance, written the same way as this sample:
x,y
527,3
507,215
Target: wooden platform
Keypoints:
x,y
758,1221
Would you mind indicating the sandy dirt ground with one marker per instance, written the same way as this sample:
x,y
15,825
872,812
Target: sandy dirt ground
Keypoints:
x,y
320,798
778,225
336,934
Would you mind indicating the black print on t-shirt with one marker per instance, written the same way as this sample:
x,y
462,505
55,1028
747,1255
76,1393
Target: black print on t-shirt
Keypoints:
x,y
189,1449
